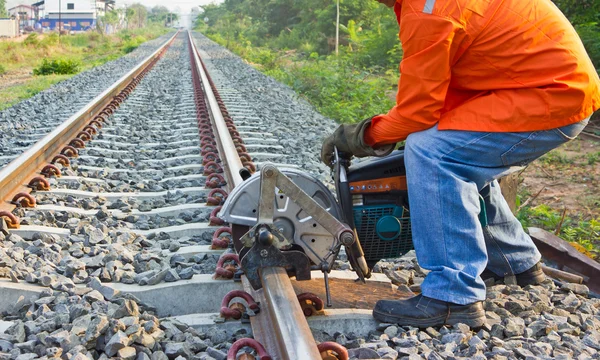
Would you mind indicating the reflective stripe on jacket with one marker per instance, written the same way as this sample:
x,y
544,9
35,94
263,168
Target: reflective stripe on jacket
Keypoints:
x,y
487,65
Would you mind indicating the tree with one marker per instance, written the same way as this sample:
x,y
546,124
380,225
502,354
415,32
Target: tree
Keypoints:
x,y
3,9
111,18
158,14
141,15
129,16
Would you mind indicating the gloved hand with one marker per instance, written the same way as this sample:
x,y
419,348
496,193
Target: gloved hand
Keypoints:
x,y
349,139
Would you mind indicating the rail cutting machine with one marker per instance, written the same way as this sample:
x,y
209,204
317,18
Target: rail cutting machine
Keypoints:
x,y
287,218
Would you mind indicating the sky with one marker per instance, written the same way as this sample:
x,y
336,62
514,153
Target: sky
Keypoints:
x,y
182,6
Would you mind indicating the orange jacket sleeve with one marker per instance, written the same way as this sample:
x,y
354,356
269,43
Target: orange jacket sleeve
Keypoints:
x,y
429,43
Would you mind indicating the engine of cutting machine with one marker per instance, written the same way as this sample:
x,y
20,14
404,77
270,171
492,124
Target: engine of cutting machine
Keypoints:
x,y
374,199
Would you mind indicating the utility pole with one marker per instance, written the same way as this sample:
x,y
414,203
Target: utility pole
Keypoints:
x,y
337,29
59,19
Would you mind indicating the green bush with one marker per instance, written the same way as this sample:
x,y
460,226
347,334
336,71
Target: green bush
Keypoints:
x,y
78,40
58,66
133,43
2,70
50,40
590,36
32,40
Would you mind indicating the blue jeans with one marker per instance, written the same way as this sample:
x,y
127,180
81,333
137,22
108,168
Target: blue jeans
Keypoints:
x,y
446,172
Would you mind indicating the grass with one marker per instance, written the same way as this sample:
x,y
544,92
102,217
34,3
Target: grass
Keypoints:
x,y
593,158
556,157
336,86
88,49
14,94
582,232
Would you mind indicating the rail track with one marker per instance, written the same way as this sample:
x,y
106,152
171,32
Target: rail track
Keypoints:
x,y
118,207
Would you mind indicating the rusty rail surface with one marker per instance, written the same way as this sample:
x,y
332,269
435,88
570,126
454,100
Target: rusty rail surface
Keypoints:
x,y
37,161
281,325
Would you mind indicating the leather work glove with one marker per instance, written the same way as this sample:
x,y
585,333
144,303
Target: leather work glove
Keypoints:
x,y
349,139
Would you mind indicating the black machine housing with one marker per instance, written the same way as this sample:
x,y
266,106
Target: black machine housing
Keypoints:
x,y
374,201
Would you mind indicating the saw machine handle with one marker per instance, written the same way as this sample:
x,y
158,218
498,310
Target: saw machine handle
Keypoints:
x,y
355,253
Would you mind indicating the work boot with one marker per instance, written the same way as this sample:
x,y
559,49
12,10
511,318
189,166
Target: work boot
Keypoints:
x,y
533,276
421,311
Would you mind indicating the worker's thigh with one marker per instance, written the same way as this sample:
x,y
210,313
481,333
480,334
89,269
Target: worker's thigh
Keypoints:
x,y
482,157
540,142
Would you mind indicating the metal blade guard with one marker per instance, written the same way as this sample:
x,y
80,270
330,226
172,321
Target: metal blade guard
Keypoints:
x,y
294,223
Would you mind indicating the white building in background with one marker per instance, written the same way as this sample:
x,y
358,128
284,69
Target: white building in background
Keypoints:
x,y
75,15
25,15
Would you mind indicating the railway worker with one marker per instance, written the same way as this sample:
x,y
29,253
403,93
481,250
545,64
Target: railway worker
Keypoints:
x,y
486,87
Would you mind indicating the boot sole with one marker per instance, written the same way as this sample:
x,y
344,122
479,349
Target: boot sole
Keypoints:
x,y
473,320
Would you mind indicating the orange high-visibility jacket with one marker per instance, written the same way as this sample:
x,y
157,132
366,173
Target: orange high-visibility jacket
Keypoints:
x,y
487,65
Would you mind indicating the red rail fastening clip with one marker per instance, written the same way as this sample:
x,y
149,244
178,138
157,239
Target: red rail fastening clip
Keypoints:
x,y
226,272
90,129
221,242
207,140
214,199
69,151
11,220
250,166
310,303
84,136
212,167
50,170
241,148
77,143
238,345
39,183
214,181
237,140
325,348
96,123
208,157
214,220
24,199
207,133
235,312
61,159
208,148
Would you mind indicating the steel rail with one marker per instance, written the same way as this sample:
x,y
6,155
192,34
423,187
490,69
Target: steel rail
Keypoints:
x,y
232,163
281,325
14,177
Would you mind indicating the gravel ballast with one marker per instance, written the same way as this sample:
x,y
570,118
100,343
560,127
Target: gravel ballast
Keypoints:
x,y
28,121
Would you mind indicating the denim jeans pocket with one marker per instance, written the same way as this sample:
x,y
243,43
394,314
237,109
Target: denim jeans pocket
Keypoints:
x,y
571,131
537,143
532,147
